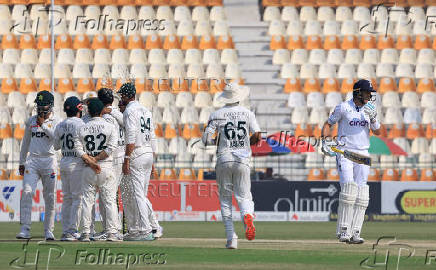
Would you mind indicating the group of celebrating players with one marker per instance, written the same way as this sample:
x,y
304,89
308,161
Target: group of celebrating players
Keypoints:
x,y
104,149
108,148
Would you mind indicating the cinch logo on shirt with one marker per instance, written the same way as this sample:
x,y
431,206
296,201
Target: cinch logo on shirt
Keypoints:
x,y
39,134
356,122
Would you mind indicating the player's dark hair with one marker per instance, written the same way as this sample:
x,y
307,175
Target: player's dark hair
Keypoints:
x,y
105,95
95,106
71,113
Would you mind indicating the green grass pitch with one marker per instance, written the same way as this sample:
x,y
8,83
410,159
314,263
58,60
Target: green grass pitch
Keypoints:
x,y
200,245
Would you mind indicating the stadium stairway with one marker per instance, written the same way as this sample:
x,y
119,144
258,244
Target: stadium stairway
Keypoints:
x,y
252,43
268,101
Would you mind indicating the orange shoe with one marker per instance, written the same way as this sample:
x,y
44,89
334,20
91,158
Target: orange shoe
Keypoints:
x,y
250,231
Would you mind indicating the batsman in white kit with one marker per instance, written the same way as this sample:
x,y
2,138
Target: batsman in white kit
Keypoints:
x,y
71,167
234,123
140,140
95,143
355,118
39,164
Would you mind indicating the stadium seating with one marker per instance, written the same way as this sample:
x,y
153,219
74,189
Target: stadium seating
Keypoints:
x,y
323,49
193,43
319,47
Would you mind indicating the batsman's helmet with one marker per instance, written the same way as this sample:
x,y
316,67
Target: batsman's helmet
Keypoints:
x,y
72,106
127,90
44,102
105,95
363,85
44,98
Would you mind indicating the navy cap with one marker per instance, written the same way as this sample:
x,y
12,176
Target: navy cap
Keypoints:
x,y
72,104
363,84
95,106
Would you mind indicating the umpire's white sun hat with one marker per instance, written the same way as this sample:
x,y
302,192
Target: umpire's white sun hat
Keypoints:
x,y
233,93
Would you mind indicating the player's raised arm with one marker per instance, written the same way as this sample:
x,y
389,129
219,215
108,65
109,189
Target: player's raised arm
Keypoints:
x,y
209,131
254,129
370,110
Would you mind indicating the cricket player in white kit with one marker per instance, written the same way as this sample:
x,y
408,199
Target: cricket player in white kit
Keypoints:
x,y
71,167
95,143
115,117
39,164
234,123
355,118
140,142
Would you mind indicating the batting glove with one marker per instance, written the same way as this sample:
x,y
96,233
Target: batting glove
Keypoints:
x,y
326,148
370,110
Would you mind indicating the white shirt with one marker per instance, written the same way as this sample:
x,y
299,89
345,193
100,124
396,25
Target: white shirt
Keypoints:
x,y
65,133
139,127
95,136
353,126
38,140
234,125
116,119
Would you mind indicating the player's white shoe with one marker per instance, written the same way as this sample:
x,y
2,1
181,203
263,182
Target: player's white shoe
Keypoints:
x,y
344,237
232,244
146,237
113,237
131,236
101,236
356,239
84,237
68,237
76,235
24,233
158,233
49,236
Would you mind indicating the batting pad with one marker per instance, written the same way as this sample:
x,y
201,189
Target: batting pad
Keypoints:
x,y
362,201
347,198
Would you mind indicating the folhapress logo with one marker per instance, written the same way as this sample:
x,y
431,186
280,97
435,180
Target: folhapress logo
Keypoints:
x,y
357,122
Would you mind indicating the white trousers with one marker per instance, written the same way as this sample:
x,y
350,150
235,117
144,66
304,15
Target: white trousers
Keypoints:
x,y
72,197
118,165
350,171
106,184
133,193
154,223
233,177
35,169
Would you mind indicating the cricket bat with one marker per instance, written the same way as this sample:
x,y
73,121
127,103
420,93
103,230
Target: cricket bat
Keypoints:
x,y
361,159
